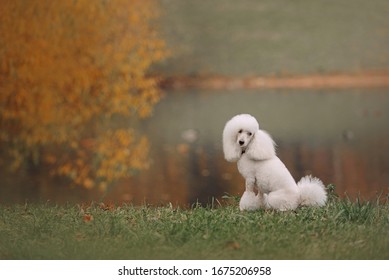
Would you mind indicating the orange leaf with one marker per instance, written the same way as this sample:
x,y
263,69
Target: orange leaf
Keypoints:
x,y
88,218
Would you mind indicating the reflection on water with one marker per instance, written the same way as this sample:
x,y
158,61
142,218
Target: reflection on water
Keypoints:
x,y
340,136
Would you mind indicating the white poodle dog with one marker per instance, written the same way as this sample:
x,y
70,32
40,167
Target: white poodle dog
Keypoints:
x,y
269,183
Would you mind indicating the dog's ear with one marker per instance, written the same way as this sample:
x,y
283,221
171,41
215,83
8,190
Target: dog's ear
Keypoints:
x,y
261,146
232,151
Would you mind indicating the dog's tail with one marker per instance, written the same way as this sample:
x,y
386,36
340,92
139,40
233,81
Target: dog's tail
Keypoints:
x,y
312,191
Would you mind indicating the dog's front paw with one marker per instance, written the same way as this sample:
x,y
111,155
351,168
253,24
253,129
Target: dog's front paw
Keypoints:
x,y
249,201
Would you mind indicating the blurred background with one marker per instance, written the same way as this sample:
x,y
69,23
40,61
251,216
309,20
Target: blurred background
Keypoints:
x,y
127,101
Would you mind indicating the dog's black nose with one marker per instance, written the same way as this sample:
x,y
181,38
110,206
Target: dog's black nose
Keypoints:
x,y
241,142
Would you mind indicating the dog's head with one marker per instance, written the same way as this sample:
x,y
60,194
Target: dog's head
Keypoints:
x,y
243,138
242,135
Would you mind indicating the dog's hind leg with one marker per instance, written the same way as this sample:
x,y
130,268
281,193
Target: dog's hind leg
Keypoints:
x,y
282,200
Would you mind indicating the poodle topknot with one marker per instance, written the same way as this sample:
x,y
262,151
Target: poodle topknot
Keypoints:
x,y
269,184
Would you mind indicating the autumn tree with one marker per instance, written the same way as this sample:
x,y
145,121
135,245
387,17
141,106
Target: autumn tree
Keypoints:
x,y
68,71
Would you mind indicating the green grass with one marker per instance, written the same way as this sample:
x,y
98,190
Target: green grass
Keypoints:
x,y
341,230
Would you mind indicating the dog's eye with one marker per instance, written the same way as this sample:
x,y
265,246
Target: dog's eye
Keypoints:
x,y
249,133
240,131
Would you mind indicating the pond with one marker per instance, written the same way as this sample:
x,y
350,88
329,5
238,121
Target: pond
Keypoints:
x,y
340,136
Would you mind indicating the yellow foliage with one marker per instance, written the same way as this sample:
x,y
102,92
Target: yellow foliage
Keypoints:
x,y
121,160
66,68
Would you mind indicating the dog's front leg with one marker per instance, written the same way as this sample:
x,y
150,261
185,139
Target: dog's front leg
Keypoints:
x,y
250,184
249,200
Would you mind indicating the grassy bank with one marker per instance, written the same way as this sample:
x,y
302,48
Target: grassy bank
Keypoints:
x,y
341,230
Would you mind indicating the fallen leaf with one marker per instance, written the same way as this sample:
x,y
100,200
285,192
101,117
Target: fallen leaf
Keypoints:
x,y
233,245
88,218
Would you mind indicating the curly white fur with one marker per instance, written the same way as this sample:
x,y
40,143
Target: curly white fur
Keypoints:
x,y
269,183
